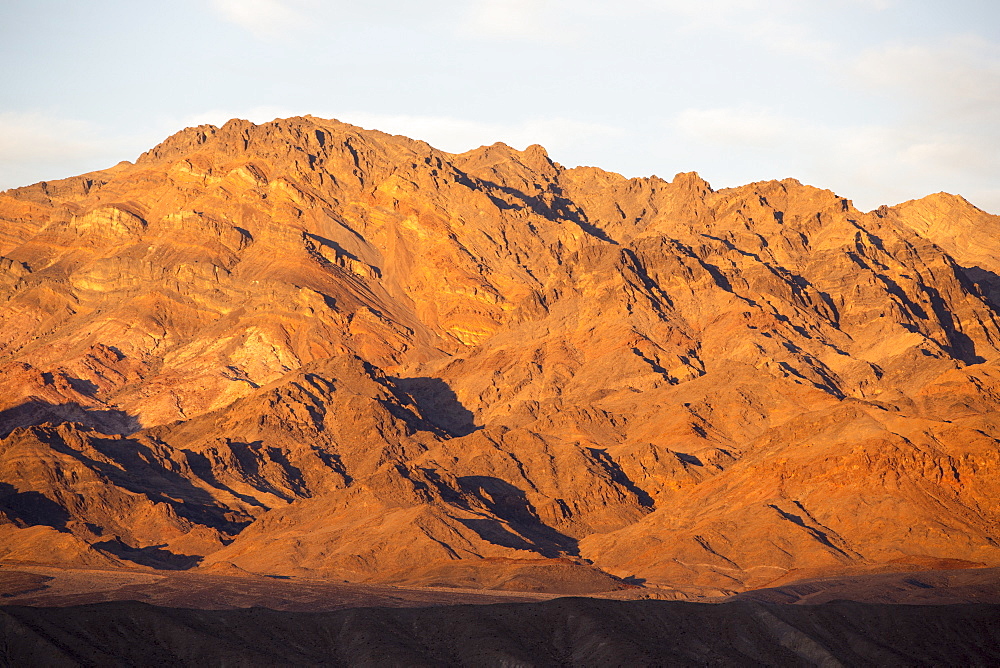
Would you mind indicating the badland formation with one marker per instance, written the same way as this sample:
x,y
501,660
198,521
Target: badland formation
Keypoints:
x,y
306,349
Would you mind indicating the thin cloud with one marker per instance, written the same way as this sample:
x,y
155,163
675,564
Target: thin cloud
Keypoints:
x,y
939,131
769,24
958,79
872,164
37,137
505,18
874,6
947,93
788,38
737,126
264,18
547,21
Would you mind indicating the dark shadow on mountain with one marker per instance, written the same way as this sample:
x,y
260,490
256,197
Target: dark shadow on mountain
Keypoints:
x,y
615,471
80,385
798,284
655,367
986,281
37,411
448,492
497,533
688,459
558,208
334,462
439,405
202,467
339,251
154,556
31,508
135,465
960,346
510,503
293,474
251,456
816,533
717,275
659,297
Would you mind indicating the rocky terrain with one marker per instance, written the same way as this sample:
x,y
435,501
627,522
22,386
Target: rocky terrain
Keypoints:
x,y
305,349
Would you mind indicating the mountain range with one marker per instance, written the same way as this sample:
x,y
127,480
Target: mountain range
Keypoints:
x,y
306,349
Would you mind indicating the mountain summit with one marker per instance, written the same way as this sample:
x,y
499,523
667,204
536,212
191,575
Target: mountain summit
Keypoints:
x,y
305,348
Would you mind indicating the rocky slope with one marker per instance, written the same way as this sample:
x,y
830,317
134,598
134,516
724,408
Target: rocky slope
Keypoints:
x,y
304,348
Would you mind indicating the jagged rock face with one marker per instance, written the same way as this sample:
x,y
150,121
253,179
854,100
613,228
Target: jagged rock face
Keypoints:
x,y
303,347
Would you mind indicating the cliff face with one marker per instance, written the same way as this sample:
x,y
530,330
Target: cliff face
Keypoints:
x,y
304,347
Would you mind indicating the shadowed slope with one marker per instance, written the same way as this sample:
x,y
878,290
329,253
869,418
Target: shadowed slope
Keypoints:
x,y
554,633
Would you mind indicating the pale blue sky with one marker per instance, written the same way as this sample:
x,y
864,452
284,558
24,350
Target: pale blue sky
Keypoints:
x,y
879,100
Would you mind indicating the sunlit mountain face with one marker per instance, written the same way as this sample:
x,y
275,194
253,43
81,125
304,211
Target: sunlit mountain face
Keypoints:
x,y
306,349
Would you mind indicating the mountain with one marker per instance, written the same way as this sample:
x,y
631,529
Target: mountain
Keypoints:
x,y
303,348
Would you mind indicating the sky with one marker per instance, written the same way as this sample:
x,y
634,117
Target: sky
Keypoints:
x,y
880,101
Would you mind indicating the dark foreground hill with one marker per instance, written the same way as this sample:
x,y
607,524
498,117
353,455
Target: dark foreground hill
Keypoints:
x,y
562,632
